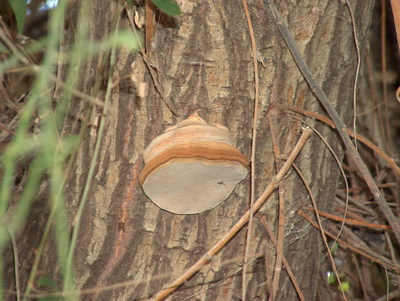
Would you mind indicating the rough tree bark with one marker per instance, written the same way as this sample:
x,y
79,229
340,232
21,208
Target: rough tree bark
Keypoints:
x,y
203,62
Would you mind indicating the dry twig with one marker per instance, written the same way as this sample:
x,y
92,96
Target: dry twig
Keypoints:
x,y
287,266
253,146
351,246
281,211
350,221
396,15
353,23
360,138
341,127
321,229
239,225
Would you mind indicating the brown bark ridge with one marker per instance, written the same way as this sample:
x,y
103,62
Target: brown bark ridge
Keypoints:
x,y
203,62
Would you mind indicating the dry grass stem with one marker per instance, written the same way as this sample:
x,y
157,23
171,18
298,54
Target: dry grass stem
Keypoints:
x,y
281,197
350,246
341,127
253,146
285,262
243,220
324,239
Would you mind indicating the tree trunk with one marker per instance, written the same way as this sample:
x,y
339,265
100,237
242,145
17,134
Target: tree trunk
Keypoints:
x,y
203,62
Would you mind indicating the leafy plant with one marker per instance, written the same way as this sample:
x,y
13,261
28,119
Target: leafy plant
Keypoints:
x,y
19,8
168,6
39,134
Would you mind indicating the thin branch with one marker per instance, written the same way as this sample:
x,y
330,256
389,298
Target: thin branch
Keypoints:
x,y
281,211
341,128
360,138
360,275
157,85
146,51
386,127
392,254
353,22
253,147
328,249
350,246
350,221
239,225
285,262
391,296
130,283
396,16
150,26
339,165
77,93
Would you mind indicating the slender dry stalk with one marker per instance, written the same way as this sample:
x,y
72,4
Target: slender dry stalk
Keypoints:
x,y
168,289
340,126
351,246
285,262
314,204
353,24
253,146
396,15
326,120
281,211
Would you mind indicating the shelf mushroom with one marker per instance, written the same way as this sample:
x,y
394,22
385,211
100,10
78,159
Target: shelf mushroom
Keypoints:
x,y
192,167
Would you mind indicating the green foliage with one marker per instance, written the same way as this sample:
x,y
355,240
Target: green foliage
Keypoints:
x,y
168,6
331,279
123,38
19,8
345,286
68,146
334,248
40,136
47,282
51,299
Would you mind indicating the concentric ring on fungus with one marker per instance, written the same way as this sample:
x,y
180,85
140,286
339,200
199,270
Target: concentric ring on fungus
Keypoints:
x,y
192,167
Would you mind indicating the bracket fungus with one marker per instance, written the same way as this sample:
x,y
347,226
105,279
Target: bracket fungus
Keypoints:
x,y
192,167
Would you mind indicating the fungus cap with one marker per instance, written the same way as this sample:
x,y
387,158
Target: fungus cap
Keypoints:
x,y
192,167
